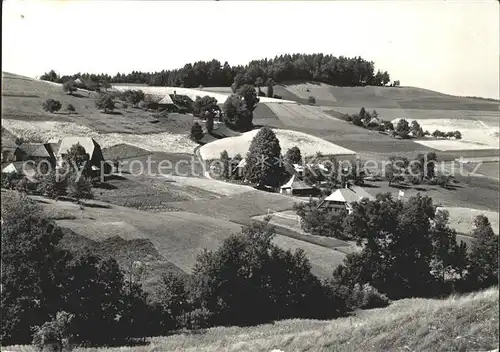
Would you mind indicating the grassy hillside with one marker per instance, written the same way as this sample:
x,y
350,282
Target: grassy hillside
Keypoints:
x,y
467,323
175,236
308,145
387,97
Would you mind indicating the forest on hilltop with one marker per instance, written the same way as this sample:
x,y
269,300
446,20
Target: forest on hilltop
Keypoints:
x,y
329,69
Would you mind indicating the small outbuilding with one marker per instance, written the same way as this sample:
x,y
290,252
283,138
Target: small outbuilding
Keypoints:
x,y
297,187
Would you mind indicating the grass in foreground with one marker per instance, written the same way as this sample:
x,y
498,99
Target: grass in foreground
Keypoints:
x,y
467,323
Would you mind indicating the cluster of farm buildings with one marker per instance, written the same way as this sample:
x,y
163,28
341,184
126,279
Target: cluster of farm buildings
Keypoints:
x,y
23,159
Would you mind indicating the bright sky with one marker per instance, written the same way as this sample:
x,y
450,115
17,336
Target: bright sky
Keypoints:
x,y
451,46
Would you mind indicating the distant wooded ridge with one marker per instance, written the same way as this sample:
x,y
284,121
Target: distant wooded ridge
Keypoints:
x,y
329,69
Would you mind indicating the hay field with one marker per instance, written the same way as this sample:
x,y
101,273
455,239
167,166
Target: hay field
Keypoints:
x,y
178,236
457,323
325,123
302,116
454,145
210,185
372,97
323,260
462,219
320,91
192,93
308,145
46,130
278,89
239,207
475,131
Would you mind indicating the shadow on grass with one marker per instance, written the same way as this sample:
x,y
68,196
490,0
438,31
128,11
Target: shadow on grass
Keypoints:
x,y
78,95
104,185
42,201
116,177
94,205
400,186
370,185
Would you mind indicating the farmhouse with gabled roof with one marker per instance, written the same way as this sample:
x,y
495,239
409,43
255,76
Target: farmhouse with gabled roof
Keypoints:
x,y
343,198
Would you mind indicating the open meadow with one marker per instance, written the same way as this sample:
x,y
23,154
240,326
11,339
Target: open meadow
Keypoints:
x,y
179,236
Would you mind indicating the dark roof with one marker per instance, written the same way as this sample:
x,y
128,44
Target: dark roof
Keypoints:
x,y
296,184
35,149
53,147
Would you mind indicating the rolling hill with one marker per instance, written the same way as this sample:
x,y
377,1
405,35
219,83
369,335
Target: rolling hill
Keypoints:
x,y
463,323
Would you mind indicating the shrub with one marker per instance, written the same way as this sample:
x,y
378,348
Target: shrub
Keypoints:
x,y
161,114
196,132
124,105
105,102
261,93
69,87
10,180
54,334
356,120
79,187
346,117
443,180
51,105
388,125
437,134
133,96
311,100
457,135
52,185
362,113
70,108
203,104
367,297
196,319
276,96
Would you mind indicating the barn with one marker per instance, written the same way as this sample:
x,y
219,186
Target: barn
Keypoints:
x,y
297,187
92,148
166,103
343,198
35,151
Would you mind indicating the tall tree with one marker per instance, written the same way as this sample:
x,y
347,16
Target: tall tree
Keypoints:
x,y
483,269
403,128
263,160
236,114
78,160
249,95
293,155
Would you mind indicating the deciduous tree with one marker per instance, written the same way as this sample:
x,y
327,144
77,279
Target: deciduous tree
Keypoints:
x,y
263,160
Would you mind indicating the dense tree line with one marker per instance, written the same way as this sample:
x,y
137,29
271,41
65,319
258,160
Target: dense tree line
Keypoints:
x,y
338,71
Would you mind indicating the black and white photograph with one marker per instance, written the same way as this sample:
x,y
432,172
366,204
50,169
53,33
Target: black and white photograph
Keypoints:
x,y
240,176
